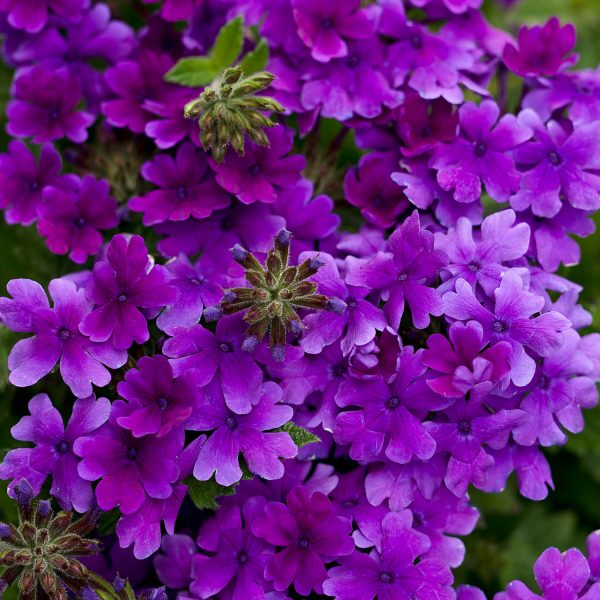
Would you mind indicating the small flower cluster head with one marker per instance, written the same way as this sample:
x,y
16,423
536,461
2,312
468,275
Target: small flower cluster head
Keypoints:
x,y
421,340
230,111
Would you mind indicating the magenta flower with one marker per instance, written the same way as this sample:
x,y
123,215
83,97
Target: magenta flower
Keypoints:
x,y
462,366
70,218
542,49
370,188
188,188
142,528
56,338
511,321
134,83
219,354
404,274
120,287
392,573
199,285
248,434
390,415
261,172
310,535
44,106
481,154
357,325
53,452
23,179
559,575
324,27
32,15
560,167
463,430
236,558
176,10
481,259
156,401
130,469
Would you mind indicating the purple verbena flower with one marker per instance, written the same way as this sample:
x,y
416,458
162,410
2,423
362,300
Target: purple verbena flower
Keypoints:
x,y
187,188
481,154
130,469
32,15
120,286
71,217
57,337
309,533
404,274
44,106
53,452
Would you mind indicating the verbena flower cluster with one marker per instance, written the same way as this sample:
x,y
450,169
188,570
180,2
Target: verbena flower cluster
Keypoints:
x,y
402,314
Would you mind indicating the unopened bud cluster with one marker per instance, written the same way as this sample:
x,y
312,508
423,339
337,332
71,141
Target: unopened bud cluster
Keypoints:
x,y
230,111
277,291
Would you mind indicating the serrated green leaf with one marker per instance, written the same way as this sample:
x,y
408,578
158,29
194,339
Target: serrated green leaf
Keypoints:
x,y
300,436
228,44
257,59
193,71
205,493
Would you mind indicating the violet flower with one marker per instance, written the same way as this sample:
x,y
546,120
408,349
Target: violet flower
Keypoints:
x,y
120,286
309,533
56,338
53,452
404,274
71,217
248,434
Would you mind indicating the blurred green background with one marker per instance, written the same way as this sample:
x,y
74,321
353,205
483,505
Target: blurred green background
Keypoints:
x,y
512,531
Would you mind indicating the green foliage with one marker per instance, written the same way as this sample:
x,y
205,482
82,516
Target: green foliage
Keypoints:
x,y
257,59
197,71
204,494
300,436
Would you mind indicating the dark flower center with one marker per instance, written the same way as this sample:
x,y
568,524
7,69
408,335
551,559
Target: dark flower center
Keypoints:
x,y
338,370
326,23
499,326
418,519
403,277
231,423
122,297
62,447
351,304
473,267
182,192
480,149
34,186
197,280
416,41
162,403
393,402
225,347
64,334
353,61
79,222
227,223
555,158
132,453
426,132
350,503
464,426
303,542
53,113
242,557
386,577
543,382
254,169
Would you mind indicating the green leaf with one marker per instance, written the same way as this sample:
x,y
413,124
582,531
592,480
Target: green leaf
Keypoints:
x,y
228,44
204,493
108,521
198,71
300,436
257,59
193,71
